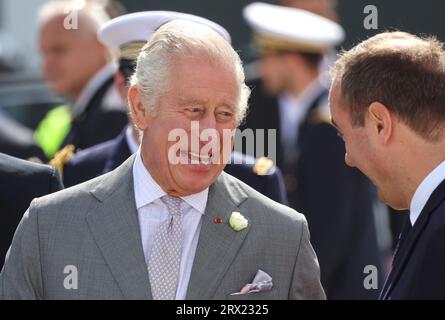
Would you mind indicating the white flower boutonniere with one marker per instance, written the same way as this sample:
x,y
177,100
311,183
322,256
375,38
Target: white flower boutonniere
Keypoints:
x,y
238,222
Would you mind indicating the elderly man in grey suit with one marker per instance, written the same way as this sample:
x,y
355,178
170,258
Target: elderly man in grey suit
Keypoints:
x,y
157,228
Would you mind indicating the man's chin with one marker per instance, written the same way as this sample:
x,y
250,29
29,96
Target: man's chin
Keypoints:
x,y
391,202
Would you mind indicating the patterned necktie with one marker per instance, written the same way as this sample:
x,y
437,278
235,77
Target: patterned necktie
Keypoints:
x,y
165,258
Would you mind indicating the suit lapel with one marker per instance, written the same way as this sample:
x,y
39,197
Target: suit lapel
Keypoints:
x,y
218,244
402,237
113,222
408,245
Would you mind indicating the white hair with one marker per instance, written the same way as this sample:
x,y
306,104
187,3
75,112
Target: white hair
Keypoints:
x,y
91,14
181,38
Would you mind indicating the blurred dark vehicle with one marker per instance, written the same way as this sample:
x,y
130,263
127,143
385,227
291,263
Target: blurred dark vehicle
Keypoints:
x,y
24,100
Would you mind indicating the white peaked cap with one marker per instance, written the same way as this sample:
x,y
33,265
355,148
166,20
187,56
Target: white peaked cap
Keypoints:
x,y
138,27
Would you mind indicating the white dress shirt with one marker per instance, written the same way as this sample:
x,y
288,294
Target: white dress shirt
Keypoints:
x,y
424,191
293,111
152,212
111,97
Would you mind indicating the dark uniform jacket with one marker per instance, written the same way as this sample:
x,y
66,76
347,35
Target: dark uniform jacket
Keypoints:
x,y
17,140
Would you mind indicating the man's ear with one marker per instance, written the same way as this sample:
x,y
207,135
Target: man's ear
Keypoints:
x,y
380,122
139,114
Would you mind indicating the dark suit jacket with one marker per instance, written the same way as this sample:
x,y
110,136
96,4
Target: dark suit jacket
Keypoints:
x,y
90,163
335,199
418,270
17,140
21,181
97,123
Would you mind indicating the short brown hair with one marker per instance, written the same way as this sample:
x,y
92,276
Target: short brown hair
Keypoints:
x,y
404,72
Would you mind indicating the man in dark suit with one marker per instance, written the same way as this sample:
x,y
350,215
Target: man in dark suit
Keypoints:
x,y
21,181
77,66
393,126
292,99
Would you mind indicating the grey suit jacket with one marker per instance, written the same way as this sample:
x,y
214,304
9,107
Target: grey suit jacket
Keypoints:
x,y
93,227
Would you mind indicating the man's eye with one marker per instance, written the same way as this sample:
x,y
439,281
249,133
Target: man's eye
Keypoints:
x,y
225,115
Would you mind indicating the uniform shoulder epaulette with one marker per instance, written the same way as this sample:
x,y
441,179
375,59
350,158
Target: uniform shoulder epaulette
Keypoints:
x,y
62,157
263,166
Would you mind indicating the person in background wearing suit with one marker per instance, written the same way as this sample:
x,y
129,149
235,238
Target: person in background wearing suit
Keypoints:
x,y
162,229
77,66
292,99
126,35
387,101
21,181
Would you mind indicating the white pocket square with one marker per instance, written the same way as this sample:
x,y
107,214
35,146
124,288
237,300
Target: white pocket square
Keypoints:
x,y
261,282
